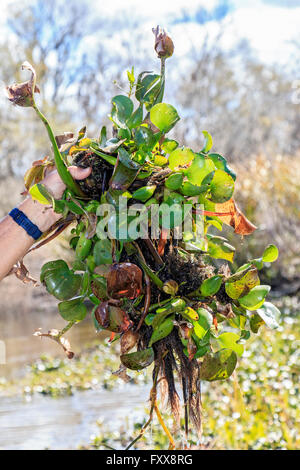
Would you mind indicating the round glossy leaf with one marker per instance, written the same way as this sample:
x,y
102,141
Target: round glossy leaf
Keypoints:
x,y
218,366
229,340
211,286
72,310
174,181
180,158
221,163
222,187
59,280
270,254
122,109
138,360
164,116
255,298
199,169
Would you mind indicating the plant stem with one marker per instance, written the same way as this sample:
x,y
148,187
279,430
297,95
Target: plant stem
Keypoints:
x,y
162,423
59,162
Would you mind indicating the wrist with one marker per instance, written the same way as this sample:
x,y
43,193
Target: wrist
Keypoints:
x,y
43,216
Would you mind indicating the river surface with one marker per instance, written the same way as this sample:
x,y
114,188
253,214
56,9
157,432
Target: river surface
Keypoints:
x,y
41,422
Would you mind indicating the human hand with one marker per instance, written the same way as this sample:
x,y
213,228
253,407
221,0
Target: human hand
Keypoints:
x,y
53,182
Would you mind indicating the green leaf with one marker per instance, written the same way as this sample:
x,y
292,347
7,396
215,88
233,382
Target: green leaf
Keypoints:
x,y
72,310
243,284
138,360
269,314
174,181
229,340
169,145
270,254
136,118
130,76
39,193
221,163
59,280
256,322
211,286
83,247
203,324
255,298
163,330
164,116
122,110
145,84
103,252
199,169
144,138
218,248
144,193
189,189
222,187
218,366
180,157
208,143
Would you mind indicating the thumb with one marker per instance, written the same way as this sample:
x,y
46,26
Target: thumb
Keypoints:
x,y
79,173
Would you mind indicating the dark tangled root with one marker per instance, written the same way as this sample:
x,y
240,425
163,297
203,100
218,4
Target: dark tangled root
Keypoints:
x,y
171,360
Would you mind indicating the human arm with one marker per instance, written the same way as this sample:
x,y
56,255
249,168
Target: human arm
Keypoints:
x,y
14,240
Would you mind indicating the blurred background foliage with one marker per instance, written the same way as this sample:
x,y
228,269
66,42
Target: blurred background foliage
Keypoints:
x,y
246,104
81,54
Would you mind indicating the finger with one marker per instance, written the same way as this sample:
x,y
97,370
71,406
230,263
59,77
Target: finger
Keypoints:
x,y
79,173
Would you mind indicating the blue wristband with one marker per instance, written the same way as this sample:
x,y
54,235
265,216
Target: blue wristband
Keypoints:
x,y
21,219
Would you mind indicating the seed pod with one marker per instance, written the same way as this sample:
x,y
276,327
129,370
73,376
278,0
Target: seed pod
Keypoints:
x,y
128,341
124,280
112,318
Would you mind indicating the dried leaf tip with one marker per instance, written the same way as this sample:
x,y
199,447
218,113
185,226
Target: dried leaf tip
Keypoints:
x,y
163,43
22,94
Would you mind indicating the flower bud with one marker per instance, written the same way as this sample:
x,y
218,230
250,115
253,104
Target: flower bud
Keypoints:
x,y
163,43
170,287
21,94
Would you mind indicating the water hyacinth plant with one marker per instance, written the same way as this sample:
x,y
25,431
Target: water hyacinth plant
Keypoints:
x,y
170,296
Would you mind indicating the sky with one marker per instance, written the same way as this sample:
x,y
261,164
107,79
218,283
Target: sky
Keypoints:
x,y
269,25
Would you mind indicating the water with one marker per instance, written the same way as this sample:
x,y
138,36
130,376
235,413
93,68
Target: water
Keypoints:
x,y
40,422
